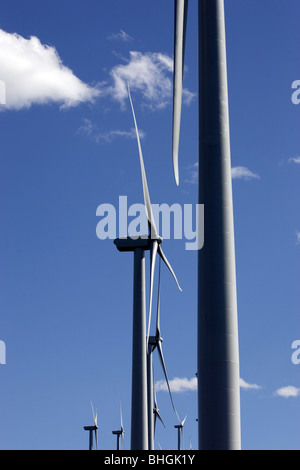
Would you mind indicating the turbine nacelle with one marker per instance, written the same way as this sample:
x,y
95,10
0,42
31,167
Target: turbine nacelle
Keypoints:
x,y
132,243
153,341
90,428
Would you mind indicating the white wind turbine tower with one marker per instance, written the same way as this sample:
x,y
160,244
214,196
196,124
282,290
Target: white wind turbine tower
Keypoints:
x,y
152,242
218,354
92,429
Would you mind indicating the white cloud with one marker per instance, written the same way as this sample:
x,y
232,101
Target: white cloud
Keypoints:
x,y
150,74
238,172
34,74
298,237
287,392
295,160
121,36
241,172
246,386
179,385
192,174
109,136
89,129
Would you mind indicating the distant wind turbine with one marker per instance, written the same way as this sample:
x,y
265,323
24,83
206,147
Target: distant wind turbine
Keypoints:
x,y
152,242
218,353
179,428
92,429
120,432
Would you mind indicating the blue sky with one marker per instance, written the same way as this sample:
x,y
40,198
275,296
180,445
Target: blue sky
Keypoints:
x,y
67,146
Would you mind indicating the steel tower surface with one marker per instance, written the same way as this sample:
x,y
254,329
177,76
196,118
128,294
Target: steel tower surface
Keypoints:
x,y
218,353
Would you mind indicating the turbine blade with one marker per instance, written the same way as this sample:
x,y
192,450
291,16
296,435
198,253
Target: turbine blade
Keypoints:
x,y
154,247
178,418
94,416
183,421
156,410
122,426
158,304
160,419
181,7
161,357
162,255
121,417
154,390
149,213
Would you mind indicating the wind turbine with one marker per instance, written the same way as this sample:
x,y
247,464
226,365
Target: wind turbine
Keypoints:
x,y
152,242
120,432
154,342
92,429
218,353
179,428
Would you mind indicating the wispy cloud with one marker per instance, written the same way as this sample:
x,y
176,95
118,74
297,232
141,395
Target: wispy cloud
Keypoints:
x,y
180,385
34,74
192,174
288,392
241,172
88,128
238,172
298,237
111,135
294,160
149,74
246,386
121,36
177,385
